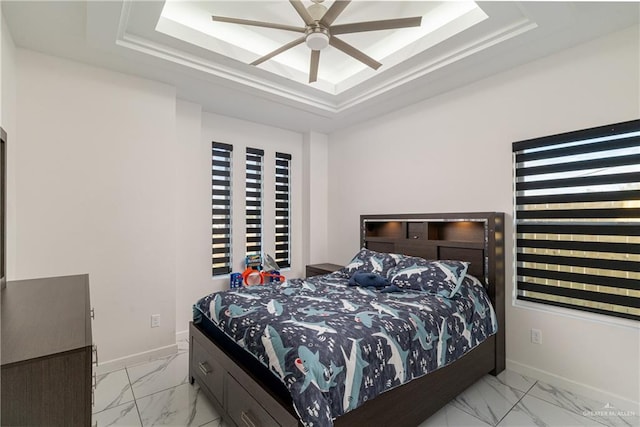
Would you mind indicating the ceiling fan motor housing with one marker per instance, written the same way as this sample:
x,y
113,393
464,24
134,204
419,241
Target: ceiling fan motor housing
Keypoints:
x,y
317,38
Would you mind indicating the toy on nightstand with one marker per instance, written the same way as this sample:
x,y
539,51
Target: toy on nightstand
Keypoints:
x,y
255,273
235,280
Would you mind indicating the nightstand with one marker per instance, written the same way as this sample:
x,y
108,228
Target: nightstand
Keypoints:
x,y
320,269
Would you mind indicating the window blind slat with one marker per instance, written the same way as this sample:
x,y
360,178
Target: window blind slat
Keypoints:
x,y
582,294
577,245
578,228
284,156
607,264
603,196
580,213
620,178
220,183
589,279
580,165
257,153
227,148
220,163
225,192
222,174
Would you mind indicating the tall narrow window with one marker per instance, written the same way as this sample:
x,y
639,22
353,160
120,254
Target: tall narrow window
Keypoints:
x,y
254,201
221,207
578,220
283,210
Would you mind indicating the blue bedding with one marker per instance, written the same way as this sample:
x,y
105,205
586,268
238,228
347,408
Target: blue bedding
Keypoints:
x,y
336,346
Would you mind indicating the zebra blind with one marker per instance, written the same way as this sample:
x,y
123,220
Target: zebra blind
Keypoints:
x,y
221,156
253,198
577,220
283,210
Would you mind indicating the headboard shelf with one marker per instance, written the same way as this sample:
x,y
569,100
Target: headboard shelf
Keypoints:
x,y
468,236
451,243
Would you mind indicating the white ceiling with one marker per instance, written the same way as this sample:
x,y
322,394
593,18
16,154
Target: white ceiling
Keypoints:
x,y
207,62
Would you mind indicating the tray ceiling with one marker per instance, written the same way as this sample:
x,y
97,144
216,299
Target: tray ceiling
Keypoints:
x,y
208,62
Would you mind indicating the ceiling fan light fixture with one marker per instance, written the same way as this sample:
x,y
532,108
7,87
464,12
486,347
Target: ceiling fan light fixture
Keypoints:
x,y
317,40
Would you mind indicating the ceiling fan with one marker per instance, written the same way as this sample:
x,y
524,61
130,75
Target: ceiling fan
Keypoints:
x,y
319,32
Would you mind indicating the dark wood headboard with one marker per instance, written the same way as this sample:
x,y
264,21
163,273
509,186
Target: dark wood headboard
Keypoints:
x,y
476,237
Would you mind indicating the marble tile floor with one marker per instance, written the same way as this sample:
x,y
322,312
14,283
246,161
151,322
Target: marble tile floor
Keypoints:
x,y
158,393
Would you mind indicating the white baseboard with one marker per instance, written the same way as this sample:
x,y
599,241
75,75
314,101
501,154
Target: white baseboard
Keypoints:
x,y
182,335
576,387
133,359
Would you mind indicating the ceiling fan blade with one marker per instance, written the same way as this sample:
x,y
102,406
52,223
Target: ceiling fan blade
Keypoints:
x,y
353,52
258,24
387,24
302,11
336,9
313,70
278,51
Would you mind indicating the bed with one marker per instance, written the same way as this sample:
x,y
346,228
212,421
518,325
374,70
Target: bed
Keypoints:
x,y
367,373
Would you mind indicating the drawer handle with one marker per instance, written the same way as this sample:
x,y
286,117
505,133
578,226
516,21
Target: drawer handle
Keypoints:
x,y
95,381
93,313
204,367
248,420
94,350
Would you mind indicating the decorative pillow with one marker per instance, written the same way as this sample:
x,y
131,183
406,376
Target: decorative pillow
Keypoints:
x,y
369,261
366,280
442,277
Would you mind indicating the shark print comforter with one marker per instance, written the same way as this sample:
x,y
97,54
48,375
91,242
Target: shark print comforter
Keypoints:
x,y
335,346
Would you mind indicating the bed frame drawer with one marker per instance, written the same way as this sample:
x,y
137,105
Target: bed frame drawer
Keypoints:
x,y
243,409
209,371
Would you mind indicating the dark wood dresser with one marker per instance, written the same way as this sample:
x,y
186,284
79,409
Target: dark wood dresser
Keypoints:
x,y
320,269
47,352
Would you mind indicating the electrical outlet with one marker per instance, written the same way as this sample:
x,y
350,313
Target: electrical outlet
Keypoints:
x,y
536,336
155,320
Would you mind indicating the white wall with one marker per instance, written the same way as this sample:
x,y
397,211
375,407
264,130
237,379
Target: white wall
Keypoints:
x,y
453,153
95,193
193,213
196,131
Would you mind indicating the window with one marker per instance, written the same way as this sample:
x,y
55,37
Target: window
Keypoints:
x,y
577,200
221,161
253,198
283,210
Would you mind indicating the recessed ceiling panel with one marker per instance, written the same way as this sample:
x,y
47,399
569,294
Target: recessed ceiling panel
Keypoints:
x,y
191,22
